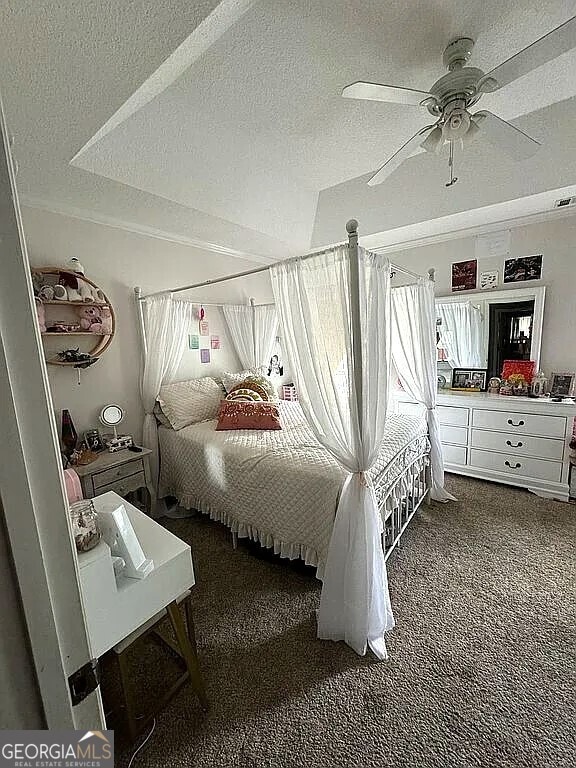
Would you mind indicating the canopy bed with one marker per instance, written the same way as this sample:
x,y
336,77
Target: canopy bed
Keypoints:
x,y
338,483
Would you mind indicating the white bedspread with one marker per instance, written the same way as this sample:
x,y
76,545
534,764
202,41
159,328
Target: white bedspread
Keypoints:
x,y
277,487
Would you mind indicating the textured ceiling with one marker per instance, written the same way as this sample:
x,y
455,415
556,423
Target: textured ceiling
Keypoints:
x,y
226,126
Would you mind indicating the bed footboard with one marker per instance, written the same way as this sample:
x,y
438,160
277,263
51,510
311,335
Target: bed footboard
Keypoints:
x,y
402,500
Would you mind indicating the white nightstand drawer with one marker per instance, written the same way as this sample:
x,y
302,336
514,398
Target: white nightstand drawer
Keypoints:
x,y
108,476
454,454
454,435
452,415
125,485
521,423
512,464
521,445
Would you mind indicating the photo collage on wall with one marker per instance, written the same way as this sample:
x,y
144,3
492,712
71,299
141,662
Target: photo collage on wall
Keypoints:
x,y
202,340
465,273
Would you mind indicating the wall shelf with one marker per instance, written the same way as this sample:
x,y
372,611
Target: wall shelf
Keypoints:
x,y
74,333
56,302
101,340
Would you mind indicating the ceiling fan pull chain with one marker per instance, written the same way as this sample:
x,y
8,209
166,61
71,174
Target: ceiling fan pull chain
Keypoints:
x,y
453,179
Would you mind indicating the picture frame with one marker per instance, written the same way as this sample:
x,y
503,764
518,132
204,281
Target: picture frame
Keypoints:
x,y
94,441
562,384
469,379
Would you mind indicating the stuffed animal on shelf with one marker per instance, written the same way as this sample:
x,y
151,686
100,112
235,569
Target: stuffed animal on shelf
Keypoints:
x,y
90,319
106,320
95,319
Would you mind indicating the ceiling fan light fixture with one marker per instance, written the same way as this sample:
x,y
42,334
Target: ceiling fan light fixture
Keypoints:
x,y
434,141
471,133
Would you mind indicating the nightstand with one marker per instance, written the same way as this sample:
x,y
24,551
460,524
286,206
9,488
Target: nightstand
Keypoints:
x,y
122,472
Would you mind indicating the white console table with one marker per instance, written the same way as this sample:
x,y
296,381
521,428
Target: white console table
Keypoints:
x,y
114,611
518,441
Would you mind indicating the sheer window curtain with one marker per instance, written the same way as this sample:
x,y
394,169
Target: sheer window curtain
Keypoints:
x,y
314,300
253,331
414,358
166,324
460,333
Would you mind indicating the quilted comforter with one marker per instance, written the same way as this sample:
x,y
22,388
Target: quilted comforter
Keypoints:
x,y
279,488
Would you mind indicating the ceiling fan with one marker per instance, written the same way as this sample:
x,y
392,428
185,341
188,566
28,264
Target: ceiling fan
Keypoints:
x,y
451,97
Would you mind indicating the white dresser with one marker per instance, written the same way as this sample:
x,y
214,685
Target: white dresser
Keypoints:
x,y
514,440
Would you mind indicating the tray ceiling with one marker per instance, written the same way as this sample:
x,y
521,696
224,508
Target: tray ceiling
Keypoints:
x,y
224,122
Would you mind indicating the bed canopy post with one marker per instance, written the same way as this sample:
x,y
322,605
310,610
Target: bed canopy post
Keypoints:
x,y
352,229
140,311
253,307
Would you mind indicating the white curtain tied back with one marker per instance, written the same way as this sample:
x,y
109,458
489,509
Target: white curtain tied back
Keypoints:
x,y
334,317
414,358
166,324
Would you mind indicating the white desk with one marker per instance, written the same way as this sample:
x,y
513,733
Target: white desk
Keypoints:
x,y
115,611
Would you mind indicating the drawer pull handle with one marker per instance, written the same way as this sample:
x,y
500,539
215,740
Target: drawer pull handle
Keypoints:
x,y
518,445
516,466
520,423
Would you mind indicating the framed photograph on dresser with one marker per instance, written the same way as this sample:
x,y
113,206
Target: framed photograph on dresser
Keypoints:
x,y
562,384
469,379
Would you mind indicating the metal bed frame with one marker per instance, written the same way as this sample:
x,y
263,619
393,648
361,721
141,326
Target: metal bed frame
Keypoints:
x,y
402,498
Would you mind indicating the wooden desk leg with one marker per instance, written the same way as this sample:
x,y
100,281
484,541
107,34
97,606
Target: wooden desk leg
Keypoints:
x,y
130,715
188,652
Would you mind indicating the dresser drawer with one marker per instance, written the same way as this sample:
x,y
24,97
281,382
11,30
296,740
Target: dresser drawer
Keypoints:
x,y
100,479
125,485
454,454
452,415
454,435
518,445
519,423
512,464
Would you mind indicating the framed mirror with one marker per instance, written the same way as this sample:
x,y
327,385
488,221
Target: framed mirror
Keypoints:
x,y
111,415
481,330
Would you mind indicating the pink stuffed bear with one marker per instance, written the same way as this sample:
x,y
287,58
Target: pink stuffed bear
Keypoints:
x,y
95,319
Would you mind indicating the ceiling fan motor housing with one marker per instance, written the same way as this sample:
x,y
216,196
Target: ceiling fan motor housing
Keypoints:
x,y
458,85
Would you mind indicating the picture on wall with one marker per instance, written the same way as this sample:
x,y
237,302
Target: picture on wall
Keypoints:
x,y
524,268
193,341
489,279
214,342
204,328
204,355
464,275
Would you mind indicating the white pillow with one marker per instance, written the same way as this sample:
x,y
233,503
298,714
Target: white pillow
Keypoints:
x,y
188,402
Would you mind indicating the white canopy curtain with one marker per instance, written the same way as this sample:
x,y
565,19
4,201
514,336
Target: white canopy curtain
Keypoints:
x,y
460,333
414,358
166,324
253,330
334,312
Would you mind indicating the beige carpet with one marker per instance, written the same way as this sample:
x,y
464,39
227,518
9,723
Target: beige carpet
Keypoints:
x,y
483,658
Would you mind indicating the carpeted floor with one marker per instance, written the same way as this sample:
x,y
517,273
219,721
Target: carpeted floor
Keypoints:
x,y
482,668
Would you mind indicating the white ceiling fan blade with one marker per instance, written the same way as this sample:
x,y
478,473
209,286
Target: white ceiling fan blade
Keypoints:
x,y
552,45
403,153
391,93
517,144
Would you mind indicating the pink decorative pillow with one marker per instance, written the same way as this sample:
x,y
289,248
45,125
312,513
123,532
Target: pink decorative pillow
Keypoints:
x,y
256,415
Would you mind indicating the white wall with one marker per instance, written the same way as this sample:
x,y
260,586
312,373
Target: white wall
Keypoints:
x,y
117,261
556,240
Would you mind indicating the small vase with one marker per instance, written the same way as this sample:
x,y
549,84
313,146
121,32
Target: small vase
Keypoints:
x,y
69,434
